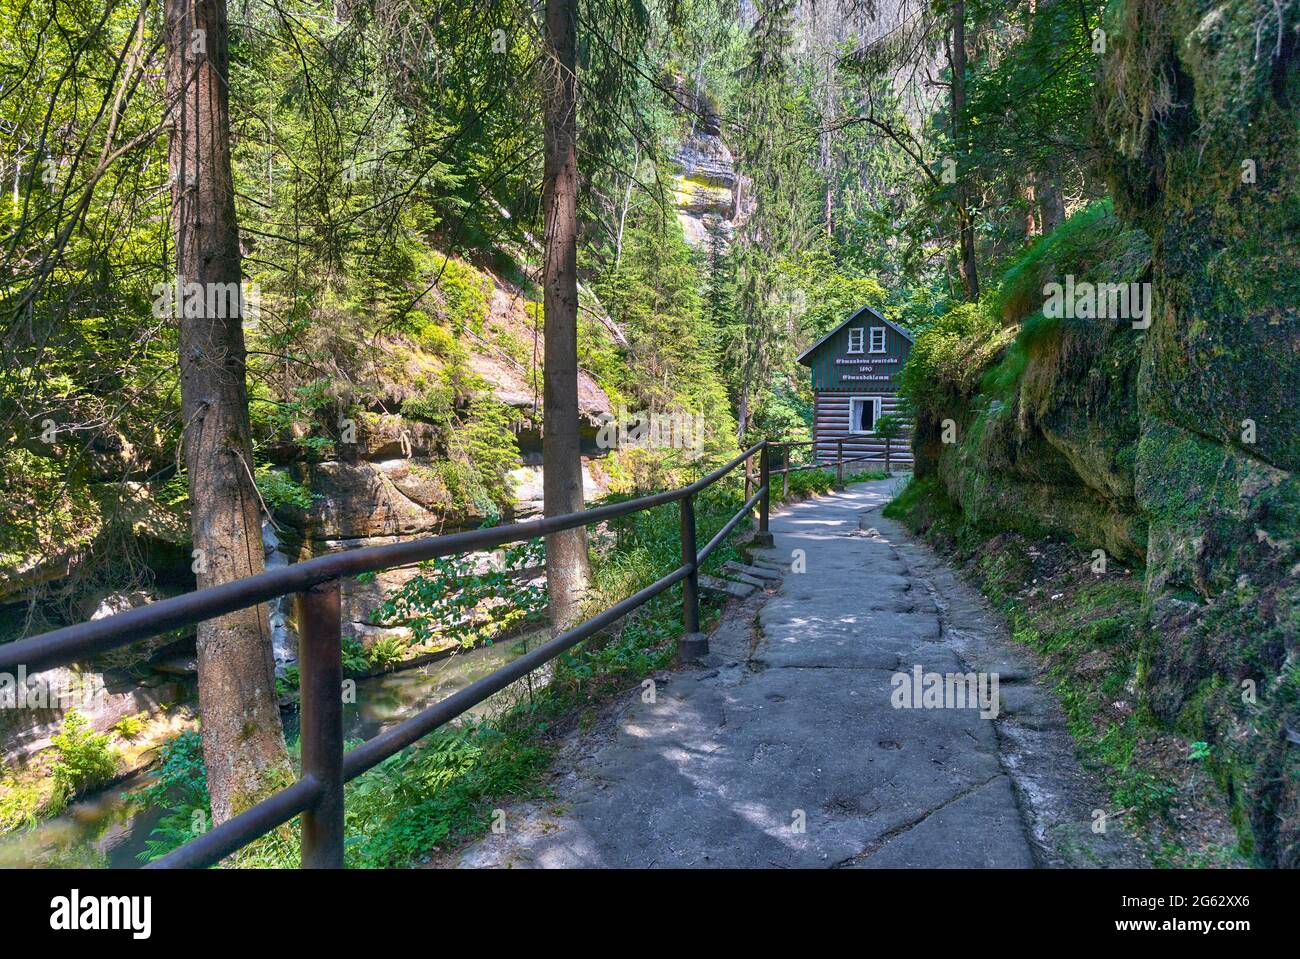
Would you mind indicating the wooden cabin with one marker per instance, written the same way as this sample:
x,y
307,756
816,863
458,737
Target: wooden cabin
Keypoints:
x,y
854,379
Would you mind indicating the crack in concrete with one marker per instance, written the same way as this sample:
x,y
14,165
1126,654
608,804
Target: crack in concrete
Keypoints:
x,y
887,837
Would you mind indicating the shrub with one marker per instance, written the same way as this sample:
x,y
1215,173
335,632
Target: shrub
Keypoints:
x,y
278,489
465,294
288,682
21,804
83,759
180,786
949,357
386,651
451,598
355,661
129,727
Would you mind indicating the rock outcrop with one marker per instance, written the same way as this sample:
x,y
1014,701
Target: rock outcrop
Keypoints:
x,y
712,199
1204,120
1176,446
1044,418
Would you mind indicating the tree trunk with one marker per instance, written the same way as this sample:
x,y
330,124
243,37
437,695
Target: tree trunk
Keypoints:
x,y
1032,225
966,265
742,412
1051,204
828,115
567,569
243,742
1043,190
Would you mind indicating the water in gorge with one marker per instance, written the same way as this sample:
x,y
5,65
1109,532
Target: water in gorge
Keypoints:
x,y
108,830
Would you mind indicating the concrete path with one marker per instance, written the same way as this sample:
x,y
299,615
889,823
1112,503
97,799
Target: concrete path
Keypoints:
x,y
784,749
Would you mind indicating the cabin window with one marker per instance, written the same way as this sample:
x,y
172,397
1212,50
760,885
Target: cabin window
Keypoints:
x,y
863,413
855,339
877,339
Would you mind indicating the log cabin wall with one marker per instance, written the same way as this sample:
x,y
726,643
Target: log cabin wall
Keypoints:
x,y
843,367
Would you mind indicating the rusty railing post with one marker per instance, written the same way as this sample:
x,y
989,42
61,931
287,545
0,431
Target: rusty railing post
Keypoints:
x,y
320,657
763,538
839,463
693,643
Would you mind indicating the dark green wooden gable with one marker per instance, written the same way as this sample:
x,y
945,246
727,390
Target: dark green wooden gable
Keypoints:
x,y
835,369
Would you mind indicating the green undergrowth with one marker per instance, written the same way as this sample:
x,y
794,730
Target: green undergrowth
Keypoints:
x,y
1089,629
444,791
986,347
816,482
79,761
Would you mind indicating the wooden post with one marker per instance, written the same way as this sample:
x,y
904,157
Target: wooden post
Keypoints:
x,y
785,473
839,463
693,643
320,653
763,538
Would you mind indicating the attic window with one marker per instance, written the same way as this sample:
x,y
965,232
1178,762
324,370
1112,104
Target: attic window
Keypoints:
x,y
856,336
877,339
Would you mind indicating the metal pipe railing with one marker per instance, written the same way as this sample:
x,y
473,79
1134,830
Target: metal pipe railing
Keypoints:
x,y
317,796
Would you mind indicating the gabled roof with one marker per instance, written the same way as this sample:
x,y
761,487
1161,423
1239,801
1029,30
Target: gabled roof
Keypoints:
x,y
866,309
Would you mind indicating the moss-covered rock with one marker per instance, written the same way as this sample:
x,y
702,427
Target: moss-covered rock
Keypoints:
x,y
1202,111
1045,411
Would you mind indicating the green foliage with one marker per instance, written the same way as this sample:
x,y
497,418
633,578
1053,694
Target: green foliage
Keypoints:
x,y
355,660
486,443
948,358
465,292
890,427
129,727
450,598
478,439
653,289
288,682
278,489
386,651
180,787
83,759
437,792
832,296
22,804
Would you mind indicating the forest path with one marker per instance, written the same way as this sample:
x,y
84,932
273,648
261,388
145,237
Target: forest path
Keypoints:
x,y
783,748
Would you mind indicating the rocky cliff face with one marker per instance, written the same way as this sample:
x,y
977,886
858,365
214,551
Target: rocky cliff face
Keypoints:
x,y
1176,447
712,198
1205,125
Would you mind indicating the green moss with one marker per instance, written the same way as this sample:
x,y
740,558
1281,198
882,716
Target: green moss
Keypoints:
x,y
924,507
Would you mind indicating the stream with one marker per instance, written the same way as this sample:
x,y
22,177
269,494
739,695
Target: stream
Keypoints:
x,y
107,830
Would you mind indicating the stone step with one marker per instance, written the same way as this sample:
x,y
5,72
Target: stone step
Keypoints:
x,y
753,572
724,587
742,578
